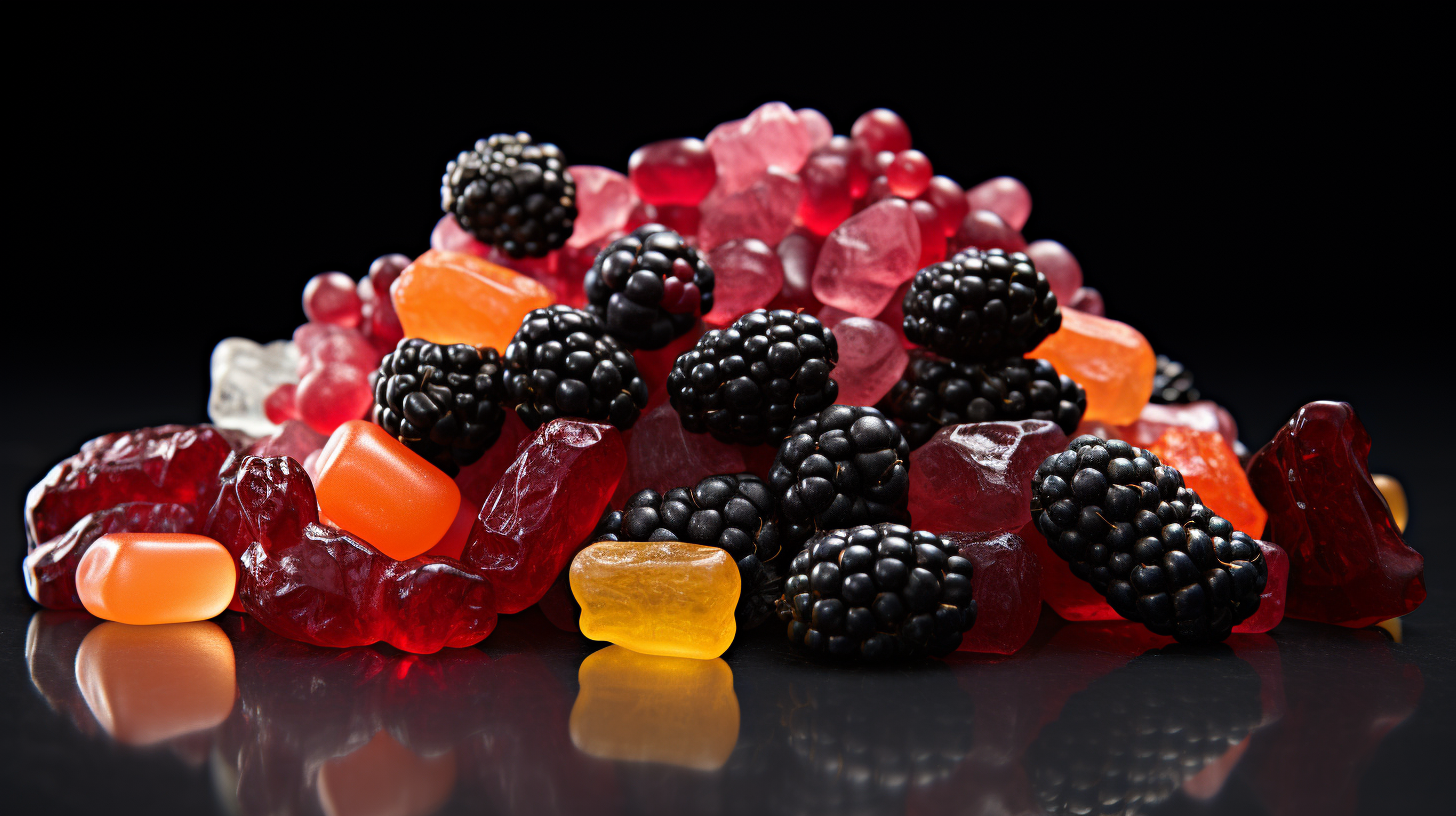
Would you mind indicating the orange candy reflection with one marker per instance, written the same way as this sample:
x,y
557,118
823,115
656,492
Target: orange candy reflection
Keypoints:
x,y
451,297
384,778
145,578
648,708
145,684
1112,360
370,484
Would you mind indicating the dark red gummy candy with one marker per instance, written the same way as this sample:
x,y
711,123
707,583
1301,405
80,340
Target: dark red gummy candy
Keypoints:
x,y
543,508
1007,587
168,464
1347,562
50,569
325,586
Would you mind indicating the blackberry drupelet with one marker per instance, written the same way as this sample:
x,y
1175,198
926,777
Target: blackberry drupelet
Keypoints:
x,y
1172,383
878,592
936,392
1129,527
442,402
735,513
980,306
512,193
748,383
649,287
561,363
844,466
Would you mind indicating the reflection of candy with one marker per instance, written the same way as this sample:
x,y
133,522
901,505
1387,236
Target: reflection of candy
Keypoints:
x,y
384,777
145,684
647,708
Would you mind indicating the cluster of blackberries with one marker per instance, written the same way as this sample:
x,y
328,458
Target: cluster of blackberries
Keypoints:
x,y
649,287
1129,527
442,402
513,194
980,305
561,363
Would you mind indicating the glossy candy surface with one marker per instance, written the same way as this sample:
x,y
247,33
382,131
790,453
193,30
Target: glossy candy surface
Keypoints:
x,y
604,200
146,578
866,258
244,375
976,478
1347,561
662,454
451,297
661,597
371,484
543,508
871,360
764,210
1211,469
1271,602
50,569
1007,589
672,171
1112,360
749,276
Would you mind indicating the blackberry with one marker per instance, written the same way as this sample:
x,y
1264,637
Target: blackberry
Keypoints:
x,y
512,193
649,287
735,513
935,393
878,592
1172,383
842,467
748,383
561,363
1129,527
980,305
442,402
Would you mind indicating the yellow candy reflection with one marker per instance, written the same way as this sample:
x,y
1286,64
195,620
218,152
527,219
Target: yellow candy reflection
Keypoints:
x,y
648,708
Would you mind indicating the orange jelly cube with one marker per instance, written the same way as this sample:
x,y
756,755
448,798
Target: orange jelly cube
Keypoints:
x,y
145,684
145,578
1211,469
1112,360
452,297
370,484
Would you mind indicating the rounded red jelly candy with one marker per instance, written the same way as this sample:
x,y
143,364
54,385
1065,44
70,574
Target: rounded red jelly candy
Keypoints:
x,y
1005,196
984,229
279,406
881,129
331,298
932,235
672,172
384,270
749,275
798,253
859,180
879,190
908,173
1059,265
949,199
330,395
827,200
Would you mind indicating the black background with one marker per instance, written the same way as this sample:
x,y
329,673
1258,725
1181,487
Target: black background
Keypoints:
x,y
1253,203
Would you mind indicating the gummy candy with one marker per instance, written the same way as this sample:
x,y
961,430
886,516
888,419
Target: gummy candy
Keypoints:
x,y
281,404
770,138
323,345
950,201
1006,197
1271,601
604,200
983,229
331,395
1211,470
661,597
329,588
881,129
1394,495
146,578
865,259
175,464
827,200
50,569
1112,360
764,209
749,274
976,478
543,508
1087,300
477,480
1007,588
293,438
1059,265
449,236
817,125
380,324
374,486
451,297
871,360
1069,596
332,297
1347,562
798,252
932,237
909,173
648,708
673,171
1156,418
244,375
146,684
662,455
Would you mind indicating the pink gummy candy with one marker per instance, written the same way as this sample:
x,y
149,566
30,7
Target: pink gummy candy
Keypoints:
x,y
604,200
1007,589
661,455
827,199
449,236
330,395
871,360
771,137
322,344
1004,196
1089,300
748,273
984,229
294,439
865,259
817,126
798,252
332,297
1203,415
763,209
1059,265
950,200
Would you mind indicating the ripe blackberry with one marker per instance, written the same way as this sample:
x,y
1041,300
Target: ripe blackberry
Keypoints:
x,y
980,305
512,193
735,513
842,467
561,363
442,402
747,384
1145,542
649,287
1172,383
878,592
935,393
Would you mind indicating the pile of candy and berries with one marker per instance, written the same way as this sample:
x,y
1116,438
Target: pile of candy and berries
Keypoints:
x,y
773,377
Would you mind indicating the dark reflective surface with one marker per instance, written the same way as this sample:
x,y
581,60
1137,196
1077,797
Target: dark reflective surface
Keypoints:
x,y
1090,718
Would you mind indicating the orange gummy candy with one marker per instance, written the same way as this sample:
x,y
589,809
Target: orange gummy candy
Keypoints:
x,y
1112,360
145,684
452,297
145,578
370,484
1212,470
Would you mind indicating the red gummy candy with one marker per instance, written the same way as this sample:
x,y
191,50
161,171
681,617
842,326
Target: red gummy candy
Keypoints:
x,y
1007,589
881,129
950,200
749,274
172,464
976,478
764,209
543,508
280,405
1069,596
661,455
477,480
827,200
1271,602
672,172
798,253
1005,196
1347,562
50,569
984,229
332,297
323,586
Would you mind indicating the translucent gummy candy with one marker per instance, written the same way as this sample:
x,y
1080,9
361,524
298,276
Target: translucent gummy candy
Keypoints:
x,y
984,229
749,274
449,236
1271,601
451,297
871,360
1112,360
865,259
672,172
662,455
1005,196
1007,588
1059,265
1212,470
50,569
976,478
763,209
244,374
772,137
604,200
